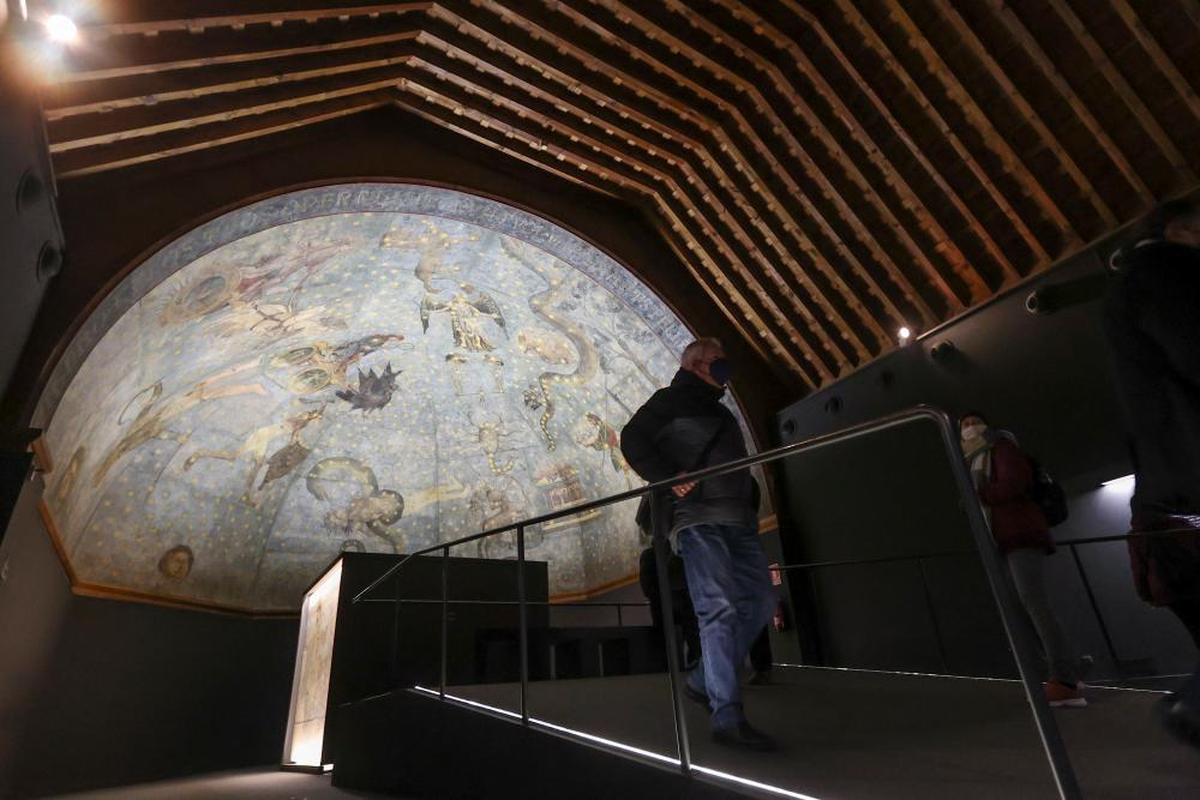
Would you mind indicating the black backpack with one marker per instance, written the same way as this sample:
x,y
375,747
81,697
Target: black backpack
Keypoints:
x,y
1048,495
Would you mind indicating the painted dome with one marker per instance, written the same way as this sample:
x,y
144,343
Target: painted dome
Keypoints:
x,y
375,367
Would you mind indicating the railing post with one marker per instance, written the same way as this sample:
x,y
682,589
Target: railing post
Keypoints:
x,y
523,624
937,631
620,623
396,678
1087,587
1010,617
662,554
445,618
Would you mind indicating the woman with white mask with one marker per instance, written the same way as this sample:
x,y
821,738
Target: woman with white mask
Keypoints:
x,y
1003,478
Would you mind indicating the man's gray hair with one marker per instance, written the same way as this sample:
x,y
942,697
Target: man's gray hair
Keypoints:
x,y
696,350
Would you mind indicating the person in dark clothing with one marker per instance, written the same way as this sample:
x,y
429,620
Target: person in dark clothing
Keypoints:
x,y
1003,477
1153,325
681,603
714,527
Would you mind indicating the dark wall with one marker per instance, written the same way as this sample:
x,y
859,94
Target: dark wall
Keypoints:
x,y
99,692
1047,378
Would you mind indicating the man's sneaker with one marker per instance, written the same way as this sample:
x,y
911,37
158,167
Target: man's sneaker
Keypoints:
x,y
744,736
1060,695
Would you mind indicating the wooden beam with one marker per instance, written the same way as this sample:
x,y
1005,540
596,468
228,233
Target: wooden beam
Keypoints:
x,y
902,135
1016,28
718,130
236,20
158,55
81,132
1128,95
958,93
807,117
872,40
966,35
255,76
1161,60
139,151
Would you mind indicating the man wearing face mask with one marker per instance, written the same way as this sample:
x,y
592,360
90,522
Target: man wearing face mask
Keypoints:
x,y
683,428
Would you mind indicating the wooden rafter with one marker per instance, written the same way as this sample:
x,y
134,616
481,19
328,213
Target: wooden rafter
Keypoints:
x,y
745,132
1166,66
1025,39
978,118
1049,141
872,40
1128,95
199,24
740,9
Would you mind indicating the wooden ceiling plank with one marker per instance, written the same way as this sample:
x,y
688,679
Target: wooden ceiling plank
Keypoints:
x,y
231,108
786,43
896,275
958,93
1030,45
873,41
1165,64
430,93
1052,143
140,151
230,20
710,160
249,50
817,128
1127,93
909,199
275,77
619,159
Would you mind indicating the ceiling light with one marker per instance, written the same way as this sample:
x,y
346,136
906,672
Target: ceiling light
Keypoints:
x,y
905,334
61,28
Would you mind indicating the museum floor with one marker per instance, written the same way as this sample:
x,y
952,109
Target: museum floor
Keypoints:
x,y
867,736
261,783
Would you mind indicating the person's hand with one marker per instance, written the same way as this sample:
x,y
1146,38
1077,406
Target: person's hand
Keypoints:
x,y
681,489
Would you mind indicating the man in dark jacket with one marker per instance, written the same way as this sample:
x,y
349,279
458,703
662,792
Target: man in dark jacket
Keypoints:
x,y
1153,322
683,428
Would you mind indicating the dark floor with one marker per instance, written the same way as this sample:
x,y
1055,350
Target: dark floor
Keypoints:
x,y
861,735
265,783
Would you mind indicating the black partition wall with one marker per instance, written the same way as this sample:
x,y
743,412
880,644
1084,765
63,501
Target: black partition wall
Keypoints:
x,y
1035,361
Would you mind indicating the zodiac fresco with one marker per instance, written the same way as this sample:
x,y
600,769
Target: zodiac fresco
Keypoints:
x,y
376,368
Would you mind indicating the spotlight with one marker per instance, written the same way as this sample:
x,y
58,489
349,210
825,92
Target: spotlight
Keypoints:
x,y
61,28
905,335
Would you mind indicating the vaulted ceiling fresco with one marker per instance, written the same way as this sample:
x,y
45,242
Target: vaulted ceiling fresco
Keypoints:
x,y
373,367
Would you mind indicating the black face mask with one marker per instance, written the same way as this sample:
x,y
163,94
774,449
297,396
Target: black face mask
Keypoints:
x,y
721,371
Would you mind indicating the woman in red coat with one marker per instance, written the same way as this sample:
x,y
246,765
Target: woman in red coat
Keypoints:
x,y
1003,477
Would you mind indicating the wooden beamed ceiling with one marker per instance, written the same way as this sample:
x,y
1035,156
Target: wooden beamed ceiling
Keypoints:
x,y
827,170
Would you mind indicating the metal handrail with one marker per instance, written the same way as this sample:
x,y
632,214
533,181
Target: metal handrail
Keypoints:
x,y
776,454
1023,648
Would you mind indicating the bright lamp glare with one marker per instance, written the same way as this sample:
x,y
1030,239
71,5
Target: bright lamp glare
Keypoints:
x,y
60,28
905,333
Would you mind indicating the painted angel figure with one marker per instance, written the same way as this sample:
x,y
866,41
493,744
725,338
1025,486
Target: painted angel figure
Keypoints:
x,y
468,307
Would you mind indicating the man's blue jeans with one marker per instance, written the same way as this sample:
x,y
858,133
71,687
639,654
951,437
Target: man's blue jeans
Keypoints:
x,y
731,590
